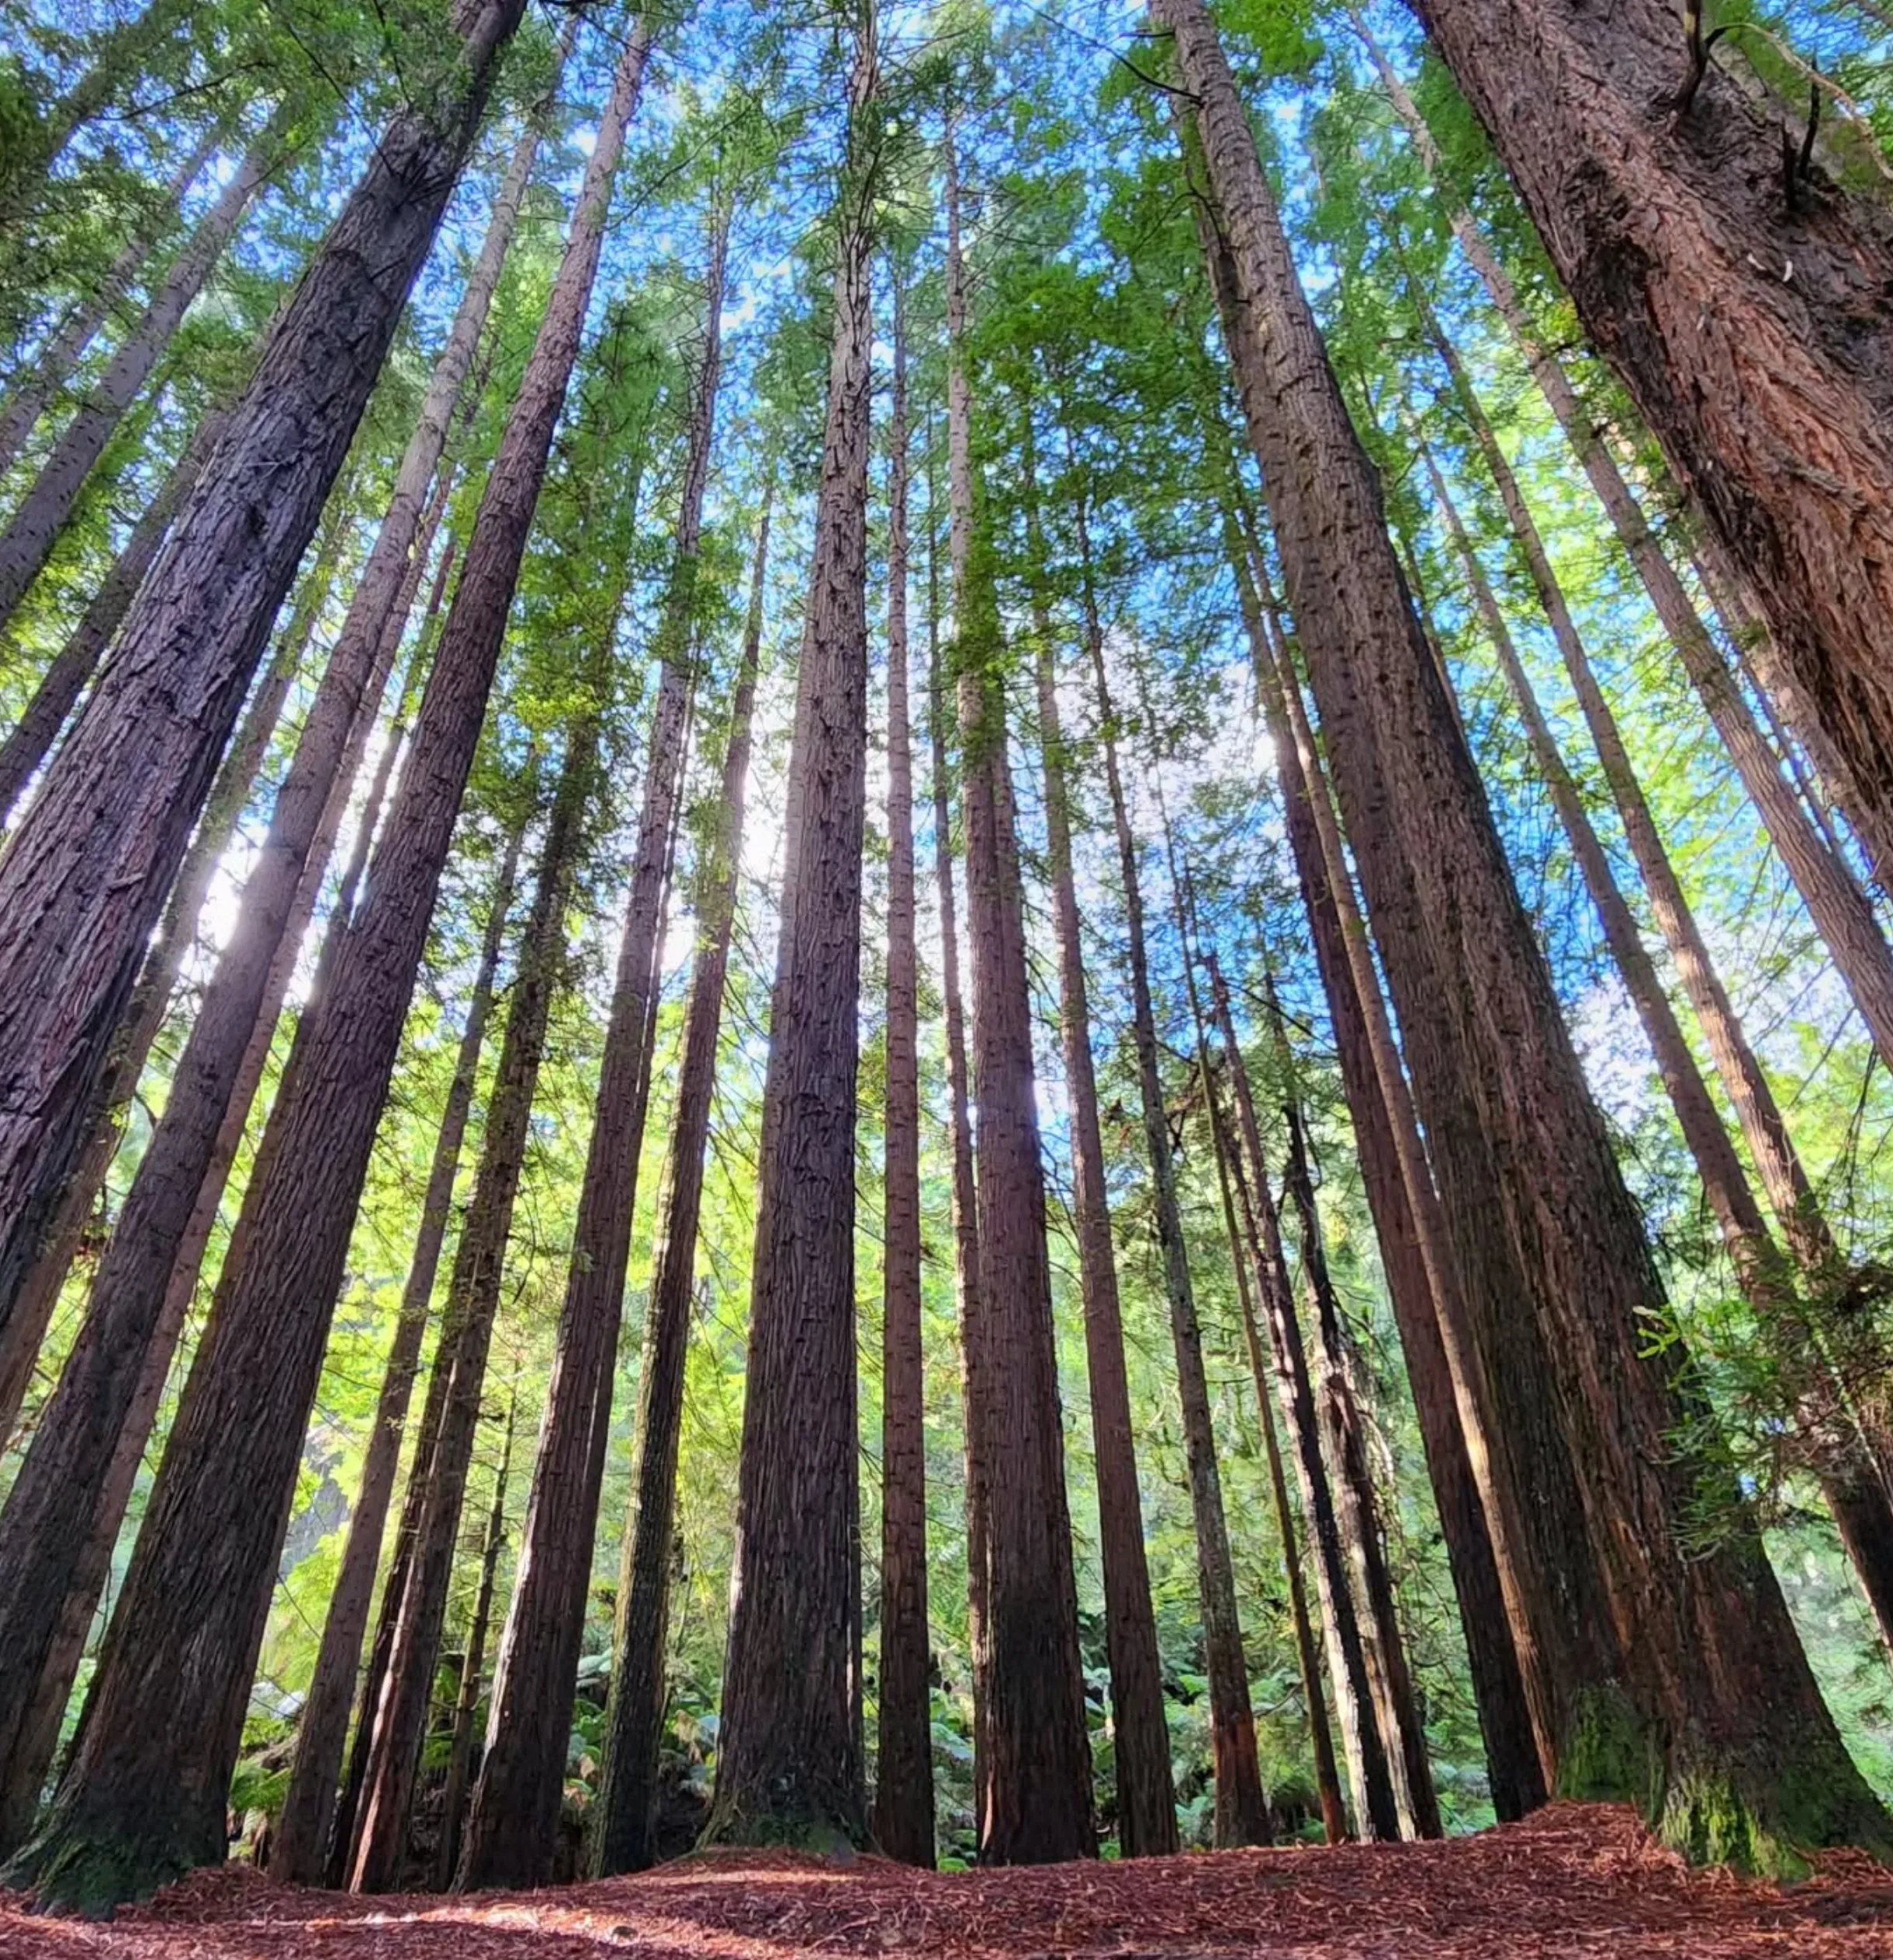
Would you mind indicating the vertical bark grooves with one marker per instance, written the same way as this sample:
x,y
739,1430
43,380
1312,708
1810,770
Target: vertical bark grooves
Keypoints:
x,y
1838,907
301,1850
1754,339
1708,1694
512,1834
30,740
1147,1822
1513,1774
144,1795
84,880
628,1793
1036,1762
1783,1175
791,1764
903,1812
40,520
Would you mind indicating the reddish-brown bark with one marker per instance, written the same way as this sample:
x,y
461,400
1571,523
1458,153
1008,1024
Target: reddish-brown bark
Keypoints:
x,y
31,739
84,879
43,514
628,1791
1146,1821
903,1814
791,1763
303,1849
1708,1678
512,1833
144,1792
1741,300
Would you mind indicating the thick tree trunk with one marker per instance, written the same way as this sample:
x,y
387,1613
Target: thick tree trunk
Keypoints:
x,y
1241,1808
301,1852
84,880
1516,1781
143,1796
29,743
61,1517
1708,1687
903,1814
624,1839
1374,1794
790,1765
1035,1759
1146,1821
1754,340
40,520
1839,909
460,1748
1849,1479
513,1832
36,387
1783,1176
1402,1727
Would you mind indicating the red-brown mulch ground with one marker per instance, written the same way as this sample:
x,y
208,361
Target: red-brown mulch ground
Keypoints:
x,y
1577,1880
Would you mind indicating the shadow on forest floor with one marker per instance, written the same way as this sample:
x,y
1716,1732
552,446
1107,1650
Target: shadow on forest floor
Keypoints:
x,y
1576,1880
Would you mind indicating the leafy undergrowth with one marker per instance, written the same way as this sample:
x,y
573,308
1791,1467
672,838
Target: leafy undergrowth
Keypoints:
x,y
1578,1880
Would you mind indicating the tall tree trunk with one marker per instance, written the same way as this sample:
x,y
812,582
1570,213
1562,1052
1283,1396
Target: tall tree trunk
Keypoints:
x,y
1320,1733
1783,1176
903,1815
1402,1727
60,1506
965,1189
513,1834
1147,1822
301,1850
624,1839
25,1315
1241,1808
1036,1761
790,1764
1374,1794
40,520
1709,1681
36,387
144,1795
460,1749
1754,343
84,880
1850,1481
1514,1775
31,739
1839,910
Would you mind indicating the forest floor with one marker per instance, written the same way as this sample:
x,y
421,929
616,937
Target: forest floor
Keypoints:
x,y
1576,1880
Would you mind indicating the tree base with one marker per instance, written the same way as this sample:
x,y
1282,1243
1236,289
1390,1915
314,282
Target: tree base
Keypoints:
x,y
785,1827
88,1873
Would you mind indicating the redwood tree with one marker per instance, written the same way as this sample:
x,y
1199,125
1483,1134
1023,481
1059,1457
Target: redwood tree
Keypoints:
x,y
143,1798
789,1760
1707,1683
84,880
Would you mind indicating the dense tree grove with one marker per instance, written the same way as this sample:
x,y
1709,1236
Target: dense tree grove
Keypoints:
x,y
964,927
